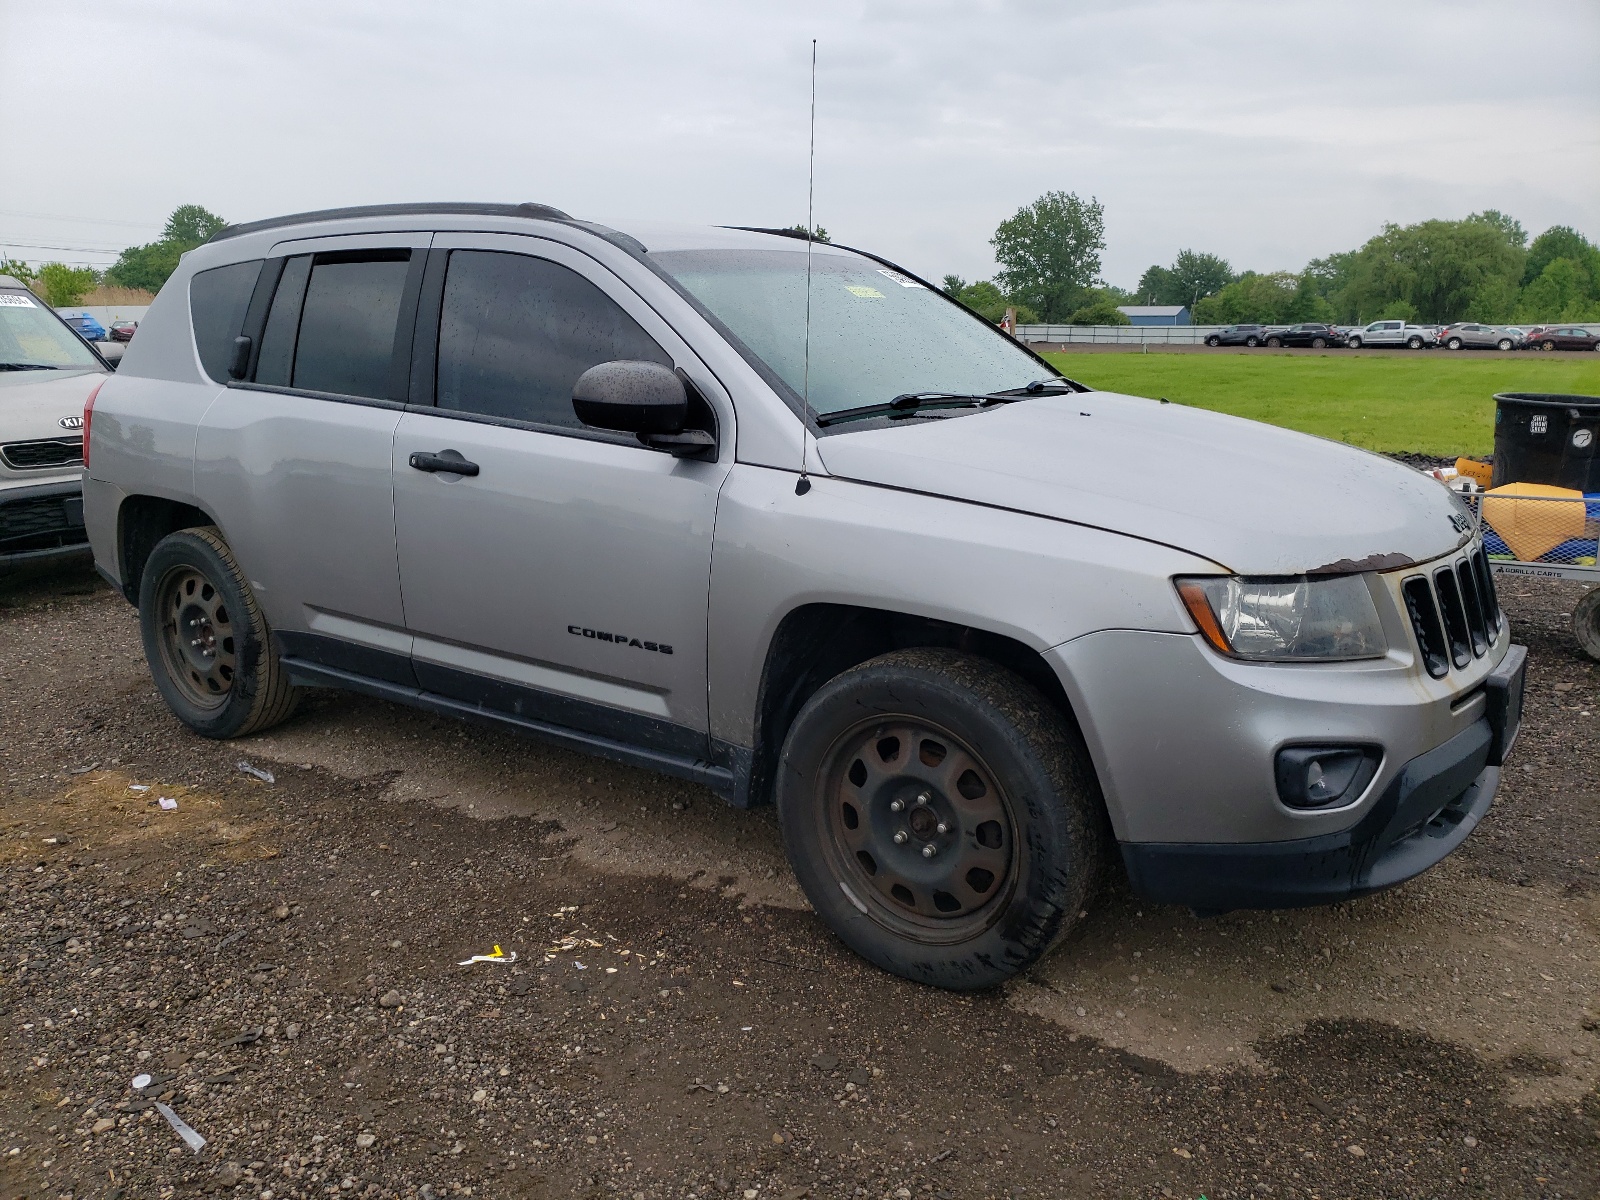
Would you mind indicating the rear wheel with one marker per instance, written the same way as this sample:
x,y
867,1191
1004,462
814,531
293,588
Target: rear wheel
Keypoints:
x,y
1586,623
206,640
1414,343
1319,343
1252,342
941,817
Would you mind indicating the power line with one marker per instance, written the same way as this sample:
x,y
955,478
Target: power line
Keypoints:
x,y
75,249
9,212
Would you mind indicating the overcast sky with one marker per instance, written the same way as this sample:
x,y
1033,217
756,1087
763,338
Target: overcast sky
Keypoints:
x,y
1267,132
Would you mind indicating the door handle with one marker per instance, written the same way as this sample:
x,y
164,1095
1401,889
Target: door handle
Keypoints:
x,y
446,461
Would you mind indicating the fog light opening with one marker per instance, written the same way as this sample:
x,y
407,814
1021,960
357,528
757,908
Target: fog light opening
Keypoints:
x,y
1311,777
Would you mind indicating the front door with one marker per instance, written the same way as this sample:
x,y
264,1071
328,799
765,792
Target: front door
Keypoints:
x,y
295,460
566,582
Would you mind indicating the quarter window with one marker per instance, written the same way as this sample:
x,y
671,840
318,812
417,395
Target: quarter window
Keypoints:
x,y
218,299
515,332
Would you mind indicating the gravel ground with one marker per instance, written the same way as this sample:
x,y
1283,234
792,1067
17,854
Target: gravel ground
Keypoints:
x,y
282,960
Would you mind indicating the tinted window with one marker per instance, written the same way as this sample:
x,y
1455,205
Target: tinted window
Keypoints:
x,y
217,302
275,363
348,321
516,332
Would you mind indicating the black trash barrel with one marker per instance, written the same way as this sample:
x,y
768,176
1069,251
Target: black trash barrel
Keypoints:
x,y
1547,438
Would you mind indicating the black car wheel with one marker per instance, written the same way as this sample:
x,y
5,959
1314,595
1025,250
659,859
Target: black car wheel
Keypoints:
x,y
942,818
206,641
1319,343
1274,342
1586,623
1252,341
1213,340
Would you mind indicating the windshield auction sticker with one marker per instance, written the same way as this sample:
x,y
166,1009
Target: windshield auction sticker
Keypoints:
x,y
16,300
902,280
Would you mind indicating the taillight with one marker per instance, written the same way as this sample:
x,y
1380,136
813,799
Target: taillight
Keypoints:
x,y
88,416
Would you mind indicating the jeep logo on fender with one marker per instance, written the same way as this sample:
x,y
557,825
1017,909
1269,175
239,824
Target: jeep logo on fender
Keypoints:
x,y
620,639
71,422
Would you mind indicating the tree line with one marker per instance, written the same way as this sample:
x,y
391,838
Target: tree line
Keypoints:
x,y
144,268
1481,268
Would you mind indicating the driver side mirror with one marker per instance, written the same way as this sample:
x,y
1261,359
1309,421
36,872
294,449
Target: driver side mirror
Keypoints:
x,y
643,398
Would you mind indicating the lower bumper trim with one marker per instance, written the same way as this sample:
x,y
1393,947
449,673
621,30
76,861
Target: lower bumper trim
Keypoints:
x,y
1429,810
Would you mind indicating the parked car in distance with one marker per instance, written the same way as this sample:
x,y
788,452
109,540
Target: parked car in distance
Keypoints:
x,y
1394,333
1311,333
918,592
46,374
87,327
123,331
1468,335
1237,335
1565,337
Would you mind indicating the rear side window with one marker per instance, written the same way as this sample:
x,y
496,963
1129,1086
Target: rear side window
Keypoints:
x,y
515,333
348,322
218,299
334,322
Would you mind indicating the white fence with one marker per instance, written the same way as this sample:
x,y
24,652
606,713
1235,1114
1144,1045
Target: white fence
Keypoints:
x,y
1121,335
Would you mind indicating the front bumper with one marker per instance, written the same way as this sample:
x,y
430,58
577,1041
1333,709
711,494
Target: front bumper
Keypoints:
x,y
41,524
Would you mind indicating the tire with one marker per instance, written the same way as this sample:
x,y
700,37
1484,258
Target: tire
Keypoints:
x,y
1319,343
1547,346
1355,343
1414,343
1586,623
1213,341
1274,343
1010,799
1252,342
227,681
1453,344
1505,344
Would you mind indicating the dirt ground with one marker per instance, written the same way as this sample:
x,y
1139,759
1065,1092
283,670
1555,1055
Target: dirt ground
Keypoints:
x,y
282,959
1202,348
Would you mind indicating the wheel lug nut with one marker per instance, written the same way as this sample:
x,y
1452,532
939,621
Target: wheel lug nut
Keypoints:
x,y
943,828
929,850
924,798
897,806
900,837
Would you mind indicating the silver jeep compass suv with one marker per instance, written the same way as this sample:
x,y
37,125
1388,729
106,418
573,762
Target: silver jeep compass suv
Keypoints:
x,y
972,626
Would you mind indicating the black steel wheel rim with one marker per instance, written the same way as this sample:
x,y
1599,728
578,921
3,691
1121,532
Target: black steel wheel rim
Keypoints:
x,y
917,829
196,636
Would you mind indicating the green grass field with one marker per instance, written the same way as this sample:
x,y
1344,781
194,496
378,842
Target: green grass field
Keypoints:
x,y
1428,403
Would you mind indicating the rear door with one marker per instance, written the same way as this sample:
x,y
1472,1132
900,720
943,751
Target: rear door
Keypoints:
x,y
567,582
295,459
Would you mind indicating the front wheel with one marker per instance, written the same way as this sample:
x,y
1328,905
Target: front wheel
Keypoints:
x,y
206,640
1547,346
1453,344
1355,343
1274,343
1586,623
1213,340
942,818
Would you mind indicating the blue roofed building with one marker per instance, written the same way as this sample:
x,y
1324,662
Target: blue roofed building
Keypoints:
x,y
1156,314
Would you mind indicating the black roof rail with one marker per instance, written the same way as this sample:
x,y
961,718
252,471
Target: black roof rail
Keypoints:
x,y
438,208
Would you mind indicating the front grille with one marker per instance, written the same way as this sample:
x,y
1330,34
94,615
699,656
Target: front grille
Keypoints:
x,y
49,452
40,523
1455,614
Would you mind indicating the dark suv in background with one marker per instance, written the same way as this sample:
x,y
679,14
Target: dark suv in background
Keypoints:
x,y
1314,335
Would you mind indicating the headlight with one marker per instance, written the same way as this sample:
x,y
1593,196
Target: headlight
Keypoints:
x,y
1295,620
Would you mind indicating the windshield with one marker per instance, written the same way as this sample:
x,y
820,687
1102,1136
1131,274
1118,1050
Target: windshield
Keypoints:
x,y
875,334
32,336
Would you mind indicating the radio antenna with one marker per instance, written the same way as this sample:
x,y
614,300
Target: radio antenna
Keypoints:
x,y
803,484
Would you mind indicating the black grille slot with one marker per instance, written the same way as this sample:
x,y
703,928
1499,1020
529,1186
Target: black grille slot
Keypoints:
x,y
42,523
1425,624
1477,627
50,452
1491,600
1455,616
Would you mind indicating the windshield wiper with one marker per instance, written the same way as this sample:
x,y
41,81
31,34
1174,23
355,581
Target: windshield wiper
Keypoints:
x,y
910,402
5,366
905,403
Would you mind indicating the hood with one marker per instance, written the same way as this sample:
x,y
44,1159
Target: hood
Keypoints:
x,y
1253,498
32,404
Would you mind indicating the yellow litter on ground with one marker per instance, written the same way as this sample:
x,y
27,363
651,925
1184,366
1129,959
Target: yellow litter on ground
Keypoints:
x,y
1533,518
